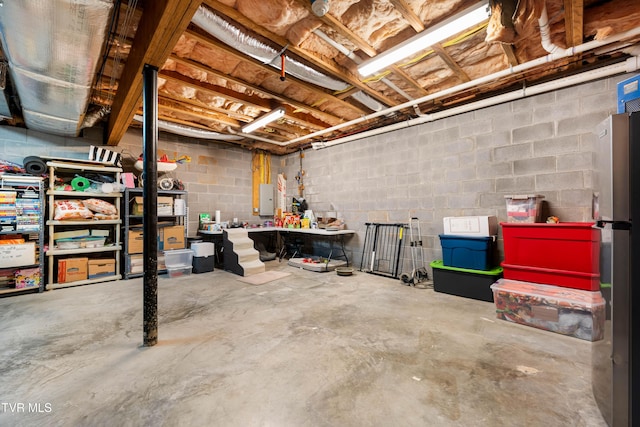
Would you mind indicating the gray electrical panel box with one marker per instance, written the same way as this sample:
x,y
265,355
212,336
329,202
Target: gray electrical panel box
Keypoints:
x,y
266,200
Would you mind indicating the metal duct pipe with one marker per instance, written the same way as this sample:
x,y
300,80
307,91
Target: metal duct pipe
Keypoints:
x,y
53,48
189,131
232,36
5,110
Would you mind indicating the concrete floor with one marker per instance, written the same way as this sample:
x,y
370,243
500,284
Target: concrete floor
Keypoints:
x,y
311,349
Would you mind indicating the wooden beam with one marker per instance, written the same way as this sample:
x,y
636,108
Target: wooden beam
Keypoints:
x,y
324,66
409,15
330,21
457,70
191,108
410,80
362,44
243,57
510,54
573,21
328,118
187,106
222,92
161,25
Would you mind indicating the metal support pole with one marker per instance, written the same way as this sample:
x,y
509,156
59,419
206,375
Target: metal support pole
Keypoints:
x,y
150,197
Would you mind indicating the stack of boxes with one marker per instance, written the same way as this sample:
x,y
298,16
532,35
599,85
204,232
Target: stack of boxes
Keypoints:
x,y
551,276
468,267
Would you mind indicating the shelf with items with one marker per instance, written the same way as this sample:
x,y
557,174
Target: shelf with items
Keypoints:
x,y
172,228
84,224
21,234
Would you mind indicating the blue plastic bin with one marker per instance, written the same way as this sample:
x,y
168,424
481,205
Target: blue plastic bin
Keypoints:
x,y
475,253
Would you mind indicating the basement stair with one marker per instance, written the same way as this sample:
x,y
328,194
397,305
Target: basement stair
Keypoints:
x,y
240,257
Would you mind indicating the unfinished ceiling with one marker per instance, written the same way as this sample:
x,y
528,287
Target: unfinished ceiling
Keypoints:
x,y
224,63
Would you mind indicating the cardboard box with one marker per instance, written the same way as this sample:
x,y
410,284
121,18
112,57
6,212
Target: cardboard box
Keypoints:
x,y
135,241
72,269
173,237
136,263
27,278
474,226
16,255
165,204
101,268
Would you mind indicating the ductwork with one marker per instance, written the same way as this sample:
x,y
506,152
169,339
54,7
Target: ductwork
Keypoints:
x,y
53,48
232,36
5,110
190,131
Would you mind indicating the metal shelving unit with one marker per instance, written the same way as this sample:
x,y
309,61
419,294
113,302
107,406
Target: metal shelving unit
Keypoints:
x,y
132,221
111,250
28,223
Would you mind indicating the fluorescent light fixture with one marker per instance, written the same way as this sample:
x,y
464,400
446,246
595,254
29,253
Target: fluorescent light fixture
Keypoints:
x,y
264,120
444,30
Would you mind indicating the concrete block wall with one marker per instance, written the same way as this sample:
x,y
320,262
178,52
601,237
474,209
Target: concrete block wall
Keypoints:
x,y
217,178
463,165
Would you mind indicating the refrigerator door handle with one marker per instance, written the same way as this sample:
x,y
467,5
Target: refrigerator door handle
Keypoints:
x,y
615,225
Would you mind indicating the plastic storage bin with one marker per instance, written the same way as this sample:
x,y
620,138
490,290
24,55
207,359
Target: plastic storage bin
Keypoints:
x,y
572,312
203,257
179,271
475,284
524,208
178,257
202,249
475,253
564,254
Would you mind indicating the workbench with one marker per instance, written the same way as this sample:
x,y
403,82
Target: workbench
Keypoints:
x,y
283,238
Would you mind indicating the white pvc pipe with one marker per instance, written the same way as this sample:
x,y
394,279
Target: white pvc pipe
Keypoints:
x,y
630,65
486,79
545,33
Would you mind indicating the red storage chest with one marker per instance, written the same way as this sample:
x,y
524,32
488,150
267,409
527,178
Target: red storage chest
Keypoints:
x,y
563,254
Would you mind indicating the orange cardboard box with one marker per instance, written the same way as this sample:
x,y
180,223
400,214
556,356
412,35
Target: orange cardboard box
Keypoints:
x,y
173,237
72,269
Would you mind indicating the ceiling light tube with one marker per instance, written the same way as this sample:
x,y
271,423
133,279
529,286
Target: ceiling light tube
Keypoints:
x,y
263,120
444,30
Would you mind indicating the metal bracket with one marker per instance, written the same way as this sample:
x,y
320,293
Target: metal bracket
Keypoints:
x,y
615,225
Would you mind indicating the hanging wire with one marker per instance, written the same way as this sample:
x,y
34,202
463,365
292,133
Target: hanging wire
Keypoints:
x,y
117,37
120,41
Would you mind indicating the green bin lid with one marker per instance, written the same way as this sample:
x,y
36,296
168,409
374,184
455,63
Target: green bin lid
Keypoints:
x,y
440,265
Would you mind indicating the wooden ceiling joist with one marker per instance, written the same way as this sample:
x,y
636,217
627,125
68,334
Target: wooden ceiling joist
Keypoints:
x,y
573,21
160,27
328,118
323,66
